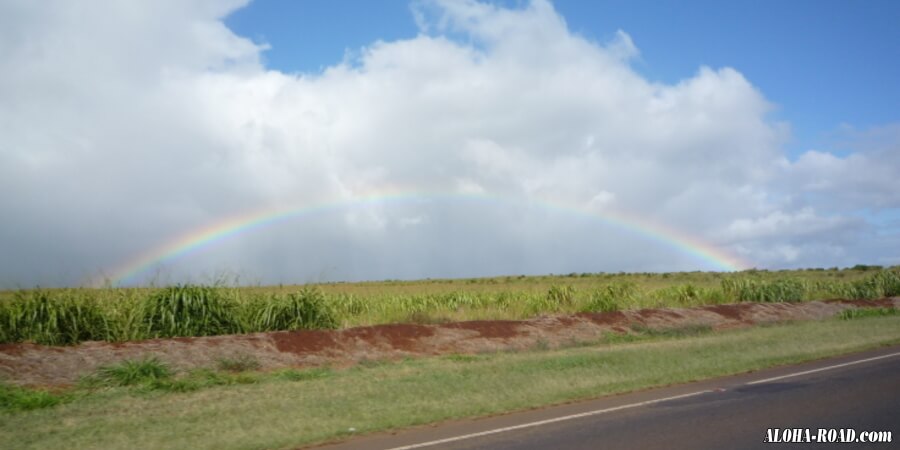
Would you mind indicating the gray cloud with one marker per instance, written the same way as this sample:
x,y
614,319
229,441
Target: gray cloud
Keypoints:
x,y
125,126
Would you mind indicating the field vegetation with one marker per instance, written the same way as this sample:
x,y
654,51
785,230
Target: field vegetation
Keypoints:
x,y
68,316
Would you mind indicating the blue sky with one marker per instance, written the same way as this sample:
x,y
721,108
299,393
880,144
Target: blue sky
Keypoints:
x,y
826,64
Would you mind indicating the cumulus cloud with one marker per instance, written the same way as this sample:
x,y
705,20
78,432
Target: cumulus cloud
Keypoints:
x,y
864,179
125,125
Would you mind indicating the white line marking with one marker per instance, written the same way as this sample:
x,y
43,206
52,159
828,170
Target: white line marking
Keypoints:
x,y
797,374
547,421
618,408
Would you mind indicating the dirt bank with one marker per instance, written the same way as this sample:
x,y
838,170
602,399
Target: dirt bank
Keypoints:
x,y
42,365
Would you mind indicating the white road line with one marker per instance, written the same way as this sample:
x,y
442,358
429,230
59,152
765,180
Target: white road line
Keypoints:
x,y
619,408
545,422
797,374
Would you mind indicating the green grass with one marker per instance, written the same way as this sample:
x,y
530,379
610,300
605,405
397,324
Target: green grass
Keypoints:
x,y
130,373
306,309
52,317
291,408
674,332
239,363
301,375
67,316
14,398
848,314
187,310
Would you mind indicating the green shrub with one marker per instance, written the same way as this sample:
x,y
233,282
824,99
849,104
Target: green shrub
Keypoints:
x,y
612,297
601,302
862,289
51,318
133,372
503,299
888,281
556,298
750,290
123,312
857,313
188,310
885,283
307,309
351,305
8,322
459,300
689,295
561,295
14,398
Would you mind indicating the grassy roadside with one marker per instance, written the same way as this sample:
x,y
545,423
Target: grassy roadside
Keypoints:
x,y
282,412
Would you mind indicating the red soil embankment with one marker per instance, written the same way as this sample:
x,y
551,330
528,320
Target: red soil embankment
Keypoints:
x,y
42,365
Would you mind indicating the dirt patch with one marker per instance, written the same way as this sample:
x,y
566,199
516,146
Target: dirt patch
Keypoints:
x,y
30,364
490,329
656,318
733,312
401,336
13,349
609,318
302,342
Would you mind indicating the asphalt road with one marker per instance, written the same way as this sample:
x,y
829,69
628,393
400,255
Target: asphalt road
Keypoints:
x,y
732,412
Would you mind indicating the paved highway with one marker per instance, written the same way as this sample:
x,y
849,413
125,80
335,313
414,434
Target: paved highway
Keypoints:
x,y
860,391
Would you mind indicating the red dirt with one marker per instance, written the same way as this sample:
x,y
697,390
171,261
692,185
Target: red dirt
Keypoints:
x,y
12,349
300,342
608,318
657,314
400,336
734,312
30,364
490,329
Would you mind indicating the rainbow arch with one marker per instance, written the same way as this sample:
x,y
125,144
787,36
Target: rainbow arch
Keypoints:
x,y
202,237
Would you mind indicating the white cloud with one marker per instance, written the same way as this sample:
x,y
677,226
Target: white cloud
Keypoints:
x,y
865,179
804,222
124,125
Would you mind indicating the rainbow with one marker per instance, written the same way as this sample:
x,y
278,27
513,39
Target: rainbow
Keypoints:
x,y
203,237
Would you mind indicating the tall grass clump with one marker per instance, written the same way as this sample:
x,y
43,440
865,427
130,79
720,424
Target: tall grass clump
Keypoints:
x,y
889,281
885,283
189,310
556,299
780,290
8,322
307,309
15,398
612,297
350,305
857,313
123,311
52,318
689,295
458,300
133,372
561,295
